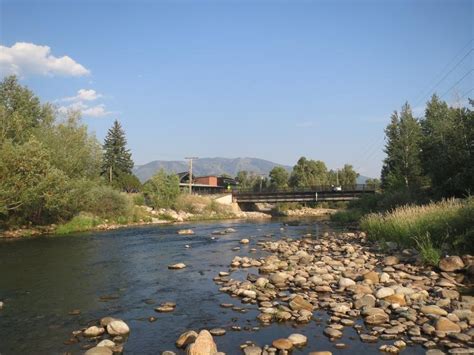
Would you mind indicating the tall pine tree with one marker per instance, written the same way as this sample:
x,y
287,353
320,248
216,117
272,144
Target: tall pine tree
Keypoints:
x,y
117,158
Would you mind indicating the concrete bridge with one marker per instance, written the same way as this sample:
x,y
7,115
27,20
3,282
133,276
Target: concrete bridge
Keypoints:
x,y
312,194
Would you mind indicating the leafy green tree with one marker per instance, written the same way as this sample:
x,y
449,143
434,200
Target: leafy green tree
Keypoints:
x,y
20,111
162,190
245,180
279,177
72,149
447,148
346,176
30,188
402,166
117,158
308,173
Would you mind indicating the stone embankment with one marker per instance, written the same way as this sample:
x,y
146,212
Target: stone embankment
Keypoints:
x,y
398,299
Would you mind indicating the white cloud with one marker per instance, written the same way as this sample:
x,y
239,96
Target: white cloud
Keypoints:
x,y
96,111
86,111
84,95
28,58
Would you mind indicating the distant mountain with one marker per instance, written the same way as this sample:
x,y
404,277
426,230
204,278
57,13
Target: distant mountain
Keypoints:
x,y
208,166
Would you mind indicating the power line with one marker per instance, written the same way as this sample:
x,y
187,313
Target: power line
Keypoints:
x,y
457,82
467,93
420,98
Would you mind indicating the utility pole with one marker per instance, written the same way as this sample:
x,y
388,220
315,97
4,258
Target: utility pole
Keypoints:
x,y
191,172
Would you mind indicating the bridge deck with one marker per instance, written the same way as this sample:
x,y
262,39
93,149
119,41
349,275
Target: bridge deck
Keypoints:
x,y
303,195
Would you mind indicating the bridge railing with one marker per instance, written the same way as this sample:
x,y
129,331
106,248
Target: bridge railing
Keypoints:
x,y
322,188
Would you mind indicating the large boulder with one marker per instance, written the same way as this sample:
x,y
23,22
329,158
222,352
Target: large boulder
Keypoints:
x,y
451,263
204,345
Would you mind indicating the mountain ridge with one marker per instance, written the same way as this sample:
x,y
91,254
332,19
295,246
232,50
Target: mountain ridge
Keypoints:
x,y
214,166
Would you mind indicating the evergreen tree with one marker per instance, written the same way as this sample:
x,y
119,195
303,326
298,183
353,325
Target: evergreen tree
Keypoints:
x,y
117,158
402,166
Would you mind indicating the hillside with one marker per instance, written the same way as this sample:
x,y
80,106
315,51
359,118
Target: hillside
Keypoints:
x,y
208,166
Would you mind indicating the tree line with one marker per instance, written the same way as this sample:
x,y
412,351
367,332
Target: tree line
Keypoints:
x,y
432,155
306,173
52,168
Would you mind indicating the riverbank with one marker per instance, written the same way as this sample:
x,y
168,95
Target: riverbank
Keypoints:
x,y
196,209
88,223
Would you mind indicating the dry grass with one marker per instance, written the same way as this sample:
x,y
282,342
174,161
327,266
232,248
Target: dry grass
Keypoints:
x,y
448,223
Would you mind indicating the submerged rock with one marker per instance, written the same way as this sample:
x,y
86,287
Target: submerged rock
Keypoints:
x,y
185,232
177,266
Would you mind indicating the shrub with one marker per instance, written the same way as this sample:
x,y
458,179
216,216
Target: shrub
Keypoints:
x,y
105,202
347,216
162,190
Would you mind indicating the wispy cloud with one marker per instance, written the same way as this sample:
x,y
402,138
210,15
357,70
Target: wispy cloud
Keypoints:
x,y
25,59
81,102
83,95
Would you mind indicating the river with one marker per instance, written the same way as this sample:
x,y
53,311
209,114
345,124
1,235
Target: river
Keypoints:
x,y
42,279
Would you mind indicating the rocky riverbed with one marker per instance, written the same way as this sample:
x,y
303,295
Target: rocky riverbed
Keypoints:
x,y
398,299
267,287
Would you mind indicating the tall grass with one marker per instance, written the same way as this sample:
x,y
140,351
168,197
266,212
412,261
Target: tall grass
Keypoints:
x,y
449,224
80,223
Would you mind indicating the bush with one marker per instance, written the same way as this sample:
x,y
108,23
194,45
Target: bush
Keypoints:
x,y
162,190
105,202
448,224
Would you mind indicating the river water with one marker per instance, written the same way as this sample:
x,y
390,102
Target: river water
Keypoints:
x,y
42,279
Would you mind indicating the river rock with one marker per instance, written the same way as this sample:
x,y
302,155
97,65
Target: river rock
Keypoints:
x,y
384,292
203,345
396,298
104,322
1,304
217,331
252,350
445,325
372,276
390,260
365,301
282,344
107,343
185,232
244,241
298,339
332,333
433,309
99,350
118,327
299,302
278,278
375,316
186,338
93,331
346,282
177,266
451,263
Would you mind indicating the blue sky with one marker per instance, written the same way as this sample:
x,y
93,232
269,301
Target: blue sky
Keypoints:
x,y
268,79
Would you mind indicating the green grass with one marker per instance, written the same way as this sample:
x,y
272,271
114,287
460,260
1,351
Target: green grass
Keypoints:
x,y
80,223
447,225
429,254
